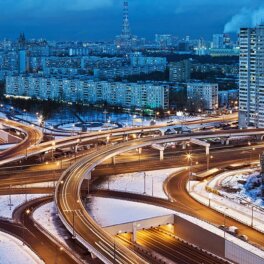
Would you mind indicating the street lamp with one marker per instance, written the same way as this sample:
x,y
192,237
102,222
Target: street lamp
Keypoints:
x,y
73,126
210,197
52,150
73,225
189,158
208,161
156,115
250,154
25,112
144,183
10,197
27,212
169,112
252,216
225,221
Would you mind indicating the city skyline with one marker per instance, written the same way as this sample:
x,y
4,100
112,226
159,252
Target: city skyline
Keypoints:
x,y
102,20
131,131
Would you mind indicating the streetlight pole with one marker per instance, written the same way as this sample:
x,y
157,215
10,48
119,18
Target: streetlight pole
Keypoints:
x,y
73,225
189,158
88,188
152,186
249,144
27,212
252,216
10,197
251,153
114,250
210,196
225,222
52,150
144,183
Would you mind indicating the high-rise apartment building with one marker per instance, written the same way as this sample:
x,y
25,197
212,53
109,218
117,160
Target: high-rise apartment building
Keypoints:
x,y
180,71
251,77
23,61
262,174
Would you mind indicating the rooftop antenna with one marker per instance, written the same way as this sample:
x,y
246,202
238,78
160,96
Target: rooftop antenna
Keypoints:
x,y
126,27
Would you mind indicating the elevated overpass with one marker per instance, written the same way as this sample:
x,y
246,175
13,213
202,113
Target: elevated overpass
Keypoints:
x,y
32,136
68,198
74,141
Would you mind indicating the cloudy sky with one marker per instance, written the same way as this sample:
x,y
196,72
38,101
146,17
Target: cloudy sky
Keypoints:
x,y
101,19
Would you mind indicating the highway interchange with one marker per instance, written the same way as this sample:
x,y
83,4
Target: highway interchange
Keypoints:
x,y
68,190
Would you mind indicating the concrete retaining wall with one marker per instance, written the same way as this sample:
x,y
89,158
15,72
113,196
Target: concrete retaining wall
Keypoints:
x,y
196,235
237,254
142,224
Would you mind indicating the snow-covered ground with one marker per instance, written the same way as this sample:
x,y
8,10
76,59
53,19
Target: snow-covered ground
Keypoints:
x,y
134,182
72,128
47,217
226,206
108,212
12,251
240,185
7,208
6,146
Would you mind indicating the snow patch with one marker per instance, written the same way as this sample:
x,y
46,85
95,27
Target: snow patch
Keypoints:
x,y
134,182
8,203
108,212
12,251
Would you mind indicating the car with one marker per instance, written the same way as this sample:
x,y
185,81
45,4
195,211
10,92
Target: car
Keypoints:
x,y
233,230
243,237
223,227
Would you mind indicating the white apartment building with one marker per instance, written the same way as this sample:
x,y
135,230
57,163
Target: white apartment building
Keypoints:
x,y
251,77
203,96
140,95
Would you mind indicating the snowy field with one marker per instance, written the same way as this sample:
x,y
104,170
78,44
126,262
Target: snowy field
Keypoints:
x,y
12,251
134,182
7,208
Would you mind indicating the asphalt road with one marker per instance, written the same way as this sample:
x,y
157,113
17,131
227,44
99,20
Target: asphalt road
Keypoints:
x,y
78,210
33,136
68,196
